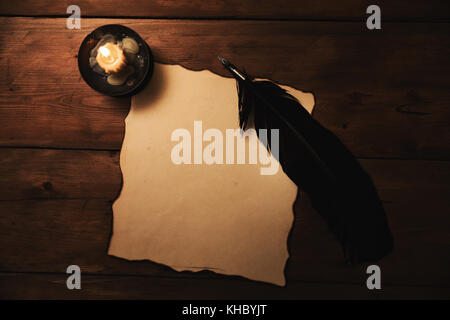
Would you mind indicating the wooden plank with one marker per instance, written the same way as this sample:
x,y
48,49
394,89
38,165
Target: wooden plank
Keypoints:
x,y
415,293
58,174
272,9
73,226
382,93
53,286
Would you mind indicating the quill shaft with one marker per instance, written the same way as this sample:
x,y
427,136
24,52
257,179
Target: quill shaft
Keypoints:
x,y
243,78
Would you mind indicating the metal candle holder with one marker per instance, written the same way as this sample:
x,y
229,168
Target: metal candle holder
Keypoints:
x,y
97,81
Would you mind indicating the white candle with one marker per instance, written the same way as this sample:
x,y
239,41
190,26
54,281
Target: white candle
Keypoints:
x,y
111,58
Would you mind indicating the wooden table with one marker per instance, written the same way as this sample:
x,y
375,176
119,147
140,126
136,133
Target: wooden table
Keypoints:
x,y
385,93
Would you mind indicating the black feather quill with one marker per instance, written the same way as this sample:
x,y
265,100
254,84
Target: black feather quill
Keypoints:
x,y
319,164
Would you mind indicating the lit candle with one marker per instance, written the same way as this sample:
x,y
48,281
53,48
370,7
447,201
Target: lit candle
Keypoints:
x,y
111,58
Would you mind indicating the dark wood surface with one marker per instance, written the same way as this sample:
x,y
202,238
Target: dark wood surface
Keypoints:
x,y
384,93
419,10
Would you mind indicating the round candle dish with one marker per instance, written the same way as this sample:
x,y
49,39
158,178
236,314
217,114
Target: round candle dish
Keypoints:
x,y
124,78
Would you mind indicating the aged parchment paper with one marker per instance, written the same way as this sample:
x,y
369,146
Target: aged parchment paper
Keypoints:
x,y
227,218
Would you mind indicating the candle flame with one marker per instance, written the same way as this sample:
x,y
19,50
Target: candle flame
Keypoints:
x,y
104,51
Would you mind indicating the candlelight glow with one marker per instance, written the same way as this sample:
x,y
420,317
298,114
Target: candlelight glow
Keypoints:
x,y
110,58
105,51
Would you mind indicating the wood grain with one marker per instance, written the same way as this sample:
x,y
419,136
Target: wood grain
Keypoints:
x,y
385,94
58,174
254,9
71,221
49,286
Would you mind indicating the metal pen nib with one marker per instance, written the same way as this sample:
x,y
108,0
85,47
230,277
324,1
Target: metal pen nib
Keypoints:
x,y
239,75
